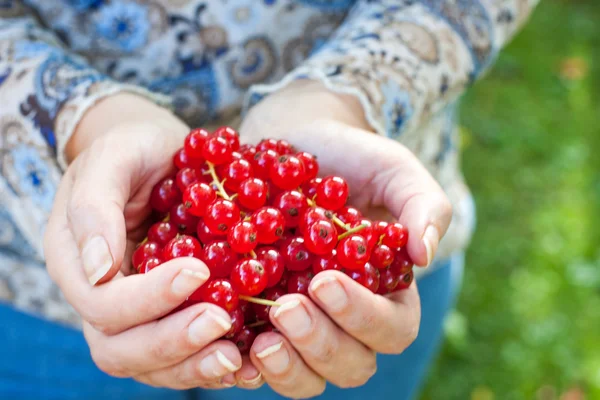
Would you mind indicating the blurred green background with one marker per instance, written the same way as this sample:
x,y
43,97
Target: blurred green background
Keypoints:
x,y
527,324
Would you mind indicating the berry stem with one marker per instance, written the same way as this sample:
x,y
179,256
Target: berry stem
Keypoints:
x,y
256,324
253,254
216,181
335,219
351,231
256,300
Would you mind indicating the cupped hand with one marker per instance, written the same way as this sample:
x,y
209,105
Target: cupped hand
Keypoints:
x,y
333,335
97,219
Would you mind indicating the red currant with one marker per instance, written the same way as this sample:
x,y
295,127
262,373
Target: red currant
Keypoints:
x,y
284,147
242,237
219,292
379,228
249,277
269,224
326,262
292,205
205,235
311,166
296,255
310,188
349,215
248,151
237,323
252,193
220,259
395,235
381,256
145,251
234,173
267,144
332,193
217,150
263,161
182,160
299,282
402,262
272,260
388,280
221,215
162,232
321,237
368,232
244,339
149,264
183,220
230,135
312,215
287,172
165,195
352,252
198,197
272,294
405,280
194,142
368,276
284,278
185,177
182,246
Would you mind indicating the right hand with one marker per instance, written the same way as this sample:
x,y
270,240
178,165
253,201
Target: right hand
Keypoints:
x,y
97,219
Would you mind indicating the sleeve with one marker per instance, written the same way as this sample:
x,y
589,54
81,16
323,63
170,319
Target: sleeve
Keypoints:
x,y
44,92
406,60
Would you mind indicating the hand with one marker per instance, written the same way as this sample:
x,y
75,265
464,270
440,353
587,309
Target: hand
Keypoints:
x,y
334,334
98,217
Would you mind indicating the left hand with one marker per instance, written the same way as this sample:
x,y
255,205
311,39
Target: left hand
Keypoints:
x,y
334,334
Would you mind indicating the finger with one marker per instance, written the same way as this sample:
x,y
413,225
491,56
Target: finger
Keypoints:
x,y
248,377
329,351
385,324
212,368
158,344
283,369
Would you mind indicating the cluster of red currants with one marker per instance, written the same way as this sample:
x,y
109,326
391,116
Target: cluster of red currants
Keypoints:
x,y
265,225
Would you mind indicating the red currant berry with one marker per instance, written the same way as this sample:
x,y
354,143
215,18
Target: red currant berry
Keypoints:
x,y
402,262
405,280
183,220
249,277
205,235
234,173
272,260
352,252
219,292
182,246
269,223
267,144
272,294
242,237
237,323
310,188
268,328
349,215
149,264
292,205
198,197
381,256
326,262
244,339
368,276
182,160
312,215
248,151
368,232
395,235
263,161
287,172
252,193
165,195
284,278
388,280
230,135
162,232
221,215
284,147
311,166
332,193
296,255
379,228
145,251
321,237
217,150
185,177
299,282
220,259
194,142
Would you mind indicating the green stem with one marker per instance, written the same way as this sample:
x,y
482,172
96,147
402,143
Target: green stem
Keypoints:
x,y
351,231
256,300
216,181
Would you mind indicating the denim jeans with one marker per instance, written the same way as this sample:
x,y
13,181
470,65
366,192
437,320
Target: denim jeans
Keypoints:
x,y
45,361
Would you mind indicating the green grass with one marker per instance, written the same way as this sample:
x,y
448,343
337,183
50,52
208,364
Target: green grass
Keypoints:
x,y
527,324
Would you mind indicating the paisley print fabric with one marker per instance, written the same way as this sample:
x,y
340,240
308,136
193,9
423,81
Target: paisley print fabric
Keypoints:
x,y
407,61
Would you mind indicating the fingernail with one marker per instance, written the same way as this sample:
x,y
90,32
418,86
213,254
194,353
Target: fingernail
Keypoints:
x,y
187,281
275,358
216,365
254,381
431,238
228,381
96,259
329,291
294,319
207,325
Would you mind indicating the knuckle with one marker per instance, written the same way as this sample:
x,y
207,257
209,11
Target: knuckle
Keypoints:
x,y
105,364
160,349
361,375
327,352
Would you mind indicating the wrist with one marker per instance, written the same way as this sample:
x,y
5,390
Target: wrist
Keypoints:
x,y
110,112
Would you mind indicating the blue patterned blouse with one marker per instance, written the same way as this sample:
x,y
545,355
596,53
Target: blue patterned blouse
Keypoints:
x,y
407,61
